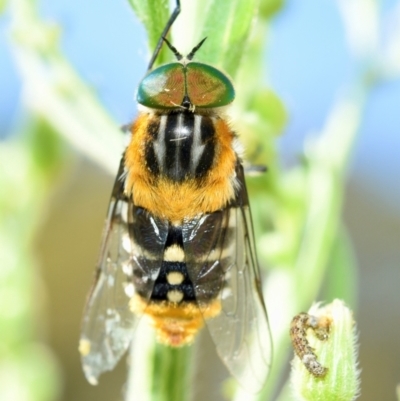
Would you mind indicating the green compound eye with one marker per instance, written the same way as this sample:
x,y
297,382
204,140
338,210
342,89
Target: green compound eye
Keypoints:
x,y
163,88
208,87
167,86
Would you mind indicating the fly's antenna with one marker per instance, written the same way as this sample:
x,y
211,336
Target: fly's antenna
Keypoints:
x,y
179,55
194,50
173,50
164,33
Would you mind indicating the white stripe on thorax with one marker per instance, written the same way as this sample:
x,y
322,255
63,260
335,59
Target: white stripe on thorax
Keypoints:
x,y
179,128
159,143
197,146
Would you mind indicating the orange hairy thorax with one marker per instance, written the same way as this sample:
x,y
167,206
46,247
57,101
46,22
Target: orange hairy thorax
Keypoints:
x,y
177,200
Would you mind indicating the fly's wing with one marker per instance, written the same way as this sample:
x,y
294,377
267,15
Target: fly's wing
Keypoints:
x,y
108,323
223,267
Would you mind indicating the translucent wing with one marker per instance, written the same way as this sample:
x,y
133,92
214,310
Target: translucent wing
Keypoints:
x,y
224,260
108,323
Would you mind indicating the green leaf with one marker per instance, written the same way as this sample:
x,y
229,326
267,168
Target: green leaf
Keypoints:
x,y
227,46
270,7
154,15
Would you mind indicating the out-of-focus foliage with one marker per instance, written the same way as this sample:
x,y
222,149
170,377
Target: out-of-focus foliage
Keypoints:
x,y
269,7
28,371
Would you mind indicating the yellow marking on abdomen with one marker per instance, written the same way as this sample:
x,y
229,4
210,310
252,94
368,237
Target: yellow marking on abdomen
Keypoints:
x,y
176,325
175,296
175,278
174,253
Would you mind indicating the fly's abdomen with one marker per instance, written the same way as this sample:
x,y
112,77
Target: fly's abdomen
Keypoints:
x,y
185,291
173,283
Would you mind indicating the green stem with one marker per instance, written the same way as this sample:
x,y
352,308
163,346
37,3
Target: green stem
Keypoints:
x,y
171,374
158,373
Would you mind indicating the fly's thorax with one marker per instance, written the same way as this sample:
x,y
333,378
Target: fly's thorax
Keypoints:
x,y
180,164
182,146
